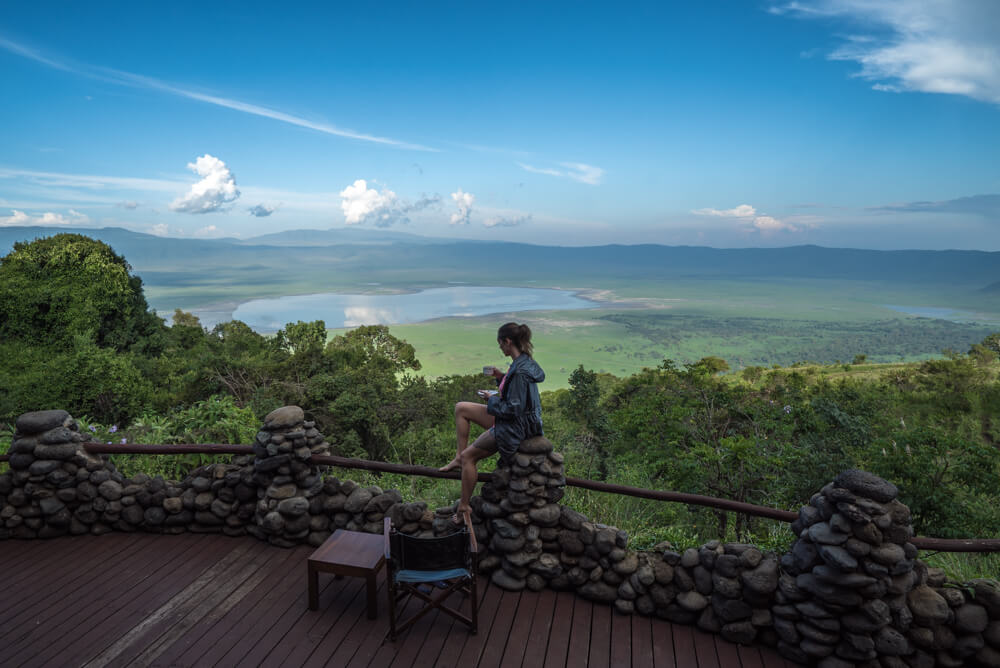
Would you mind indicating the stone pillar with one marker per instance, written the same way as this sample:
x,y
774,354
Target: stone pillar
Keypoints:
x,y
286,481
54,485
519,517
843,597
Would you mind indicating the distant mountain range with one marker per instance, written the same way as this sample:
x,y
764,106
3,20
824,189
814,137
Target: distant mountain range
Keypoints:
x,y
366,254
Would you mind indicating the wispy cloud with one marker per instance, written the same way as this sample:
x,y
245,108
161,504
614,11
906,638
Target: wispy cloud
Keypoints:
x,y
131,205
133,80
216,189
91,181
506,221
577,171
916,45
987,206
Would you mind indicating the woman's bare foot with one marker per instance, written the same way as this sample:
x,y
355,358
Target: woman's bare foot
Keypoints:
x,y
451,466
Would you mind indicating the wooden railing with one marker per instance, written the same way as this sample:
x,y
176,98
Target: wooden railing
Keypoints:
x,y
921,542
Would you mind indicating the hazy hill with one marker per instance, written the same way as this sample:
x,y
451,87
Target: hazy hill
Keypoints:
x,y
334,237
397,257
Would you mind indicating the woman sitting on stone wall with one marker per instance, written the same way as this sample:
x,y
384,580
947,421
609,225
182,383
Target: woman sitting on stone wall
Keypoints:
x,y
510,415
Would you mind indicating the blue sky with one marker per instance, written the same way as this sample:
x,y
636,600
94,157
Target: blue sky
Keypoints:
x,y
835,122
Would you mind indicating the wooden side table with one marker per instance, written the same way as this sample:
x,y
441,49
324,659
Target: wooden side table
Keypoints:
x,y
348,553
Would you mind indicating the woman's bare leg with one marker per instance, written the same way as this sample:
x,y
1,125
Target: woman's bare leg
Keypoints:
x,y
466,412
483,447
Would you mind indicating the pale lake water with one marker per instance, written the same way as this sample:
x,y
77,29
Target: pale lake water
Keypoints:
x,y
937,312
343,310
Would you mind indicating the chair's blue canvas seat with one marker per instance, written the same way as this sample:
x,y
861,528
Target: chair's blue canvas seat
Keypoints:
x,y
431,576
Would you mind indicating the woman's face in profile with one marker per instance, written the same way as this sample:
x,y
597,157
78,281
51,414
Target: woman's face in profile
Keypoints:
x,y
505,345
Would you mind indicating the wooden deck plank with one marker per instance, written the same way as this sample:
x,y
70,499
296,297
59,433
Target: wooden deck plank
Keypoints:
x,y
287,613
66,602
213,599
579,637
727,652
343,636
684,653
36,592
562,624
642,642
342,641
704,647
146,635
224,633
749,657
513,653
541,629
600,637
621,639
296,645
440,633
33,575
474,645
206,600
458,635
254,620
165,576
195,627
386,652
411,646
30,561
190,557
663,643
500,631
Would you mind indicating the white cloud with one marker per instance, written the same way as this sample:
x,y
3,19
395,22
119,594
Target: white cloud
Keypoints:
x,y
363,204
931,46
506,221
159,230
16,218
746,215
129,204
262,210
742,211
208,232
463,201
48,218
577,171
216,188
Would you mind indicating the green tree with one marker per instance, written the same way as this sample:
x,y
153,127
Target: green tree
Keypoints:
x,y
55,289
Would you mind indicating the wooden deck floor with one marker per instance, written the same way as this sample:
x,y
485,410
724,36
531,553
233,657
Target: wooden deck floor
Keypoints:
x,y
198,600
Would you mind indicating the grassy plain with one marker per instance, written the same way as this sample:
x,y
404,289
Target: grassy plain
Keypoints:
x,y
747,323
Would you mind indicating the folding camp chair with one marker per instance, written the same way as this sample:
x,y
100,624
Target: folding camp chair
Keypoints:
x,y
449,562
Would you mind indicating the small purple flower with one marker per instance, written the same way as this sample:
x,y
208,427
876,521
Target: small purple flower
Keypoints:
x,y
788,409
124,441
93,428
113,429
109,442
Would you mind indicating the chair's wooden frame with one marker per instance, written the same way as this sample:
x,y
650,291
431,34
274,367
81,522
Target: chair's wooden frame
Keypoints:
x,y
435,600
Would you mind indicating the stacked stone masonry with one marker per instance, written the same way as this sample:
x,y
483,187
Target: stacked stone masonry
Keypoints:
x,y
850,592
